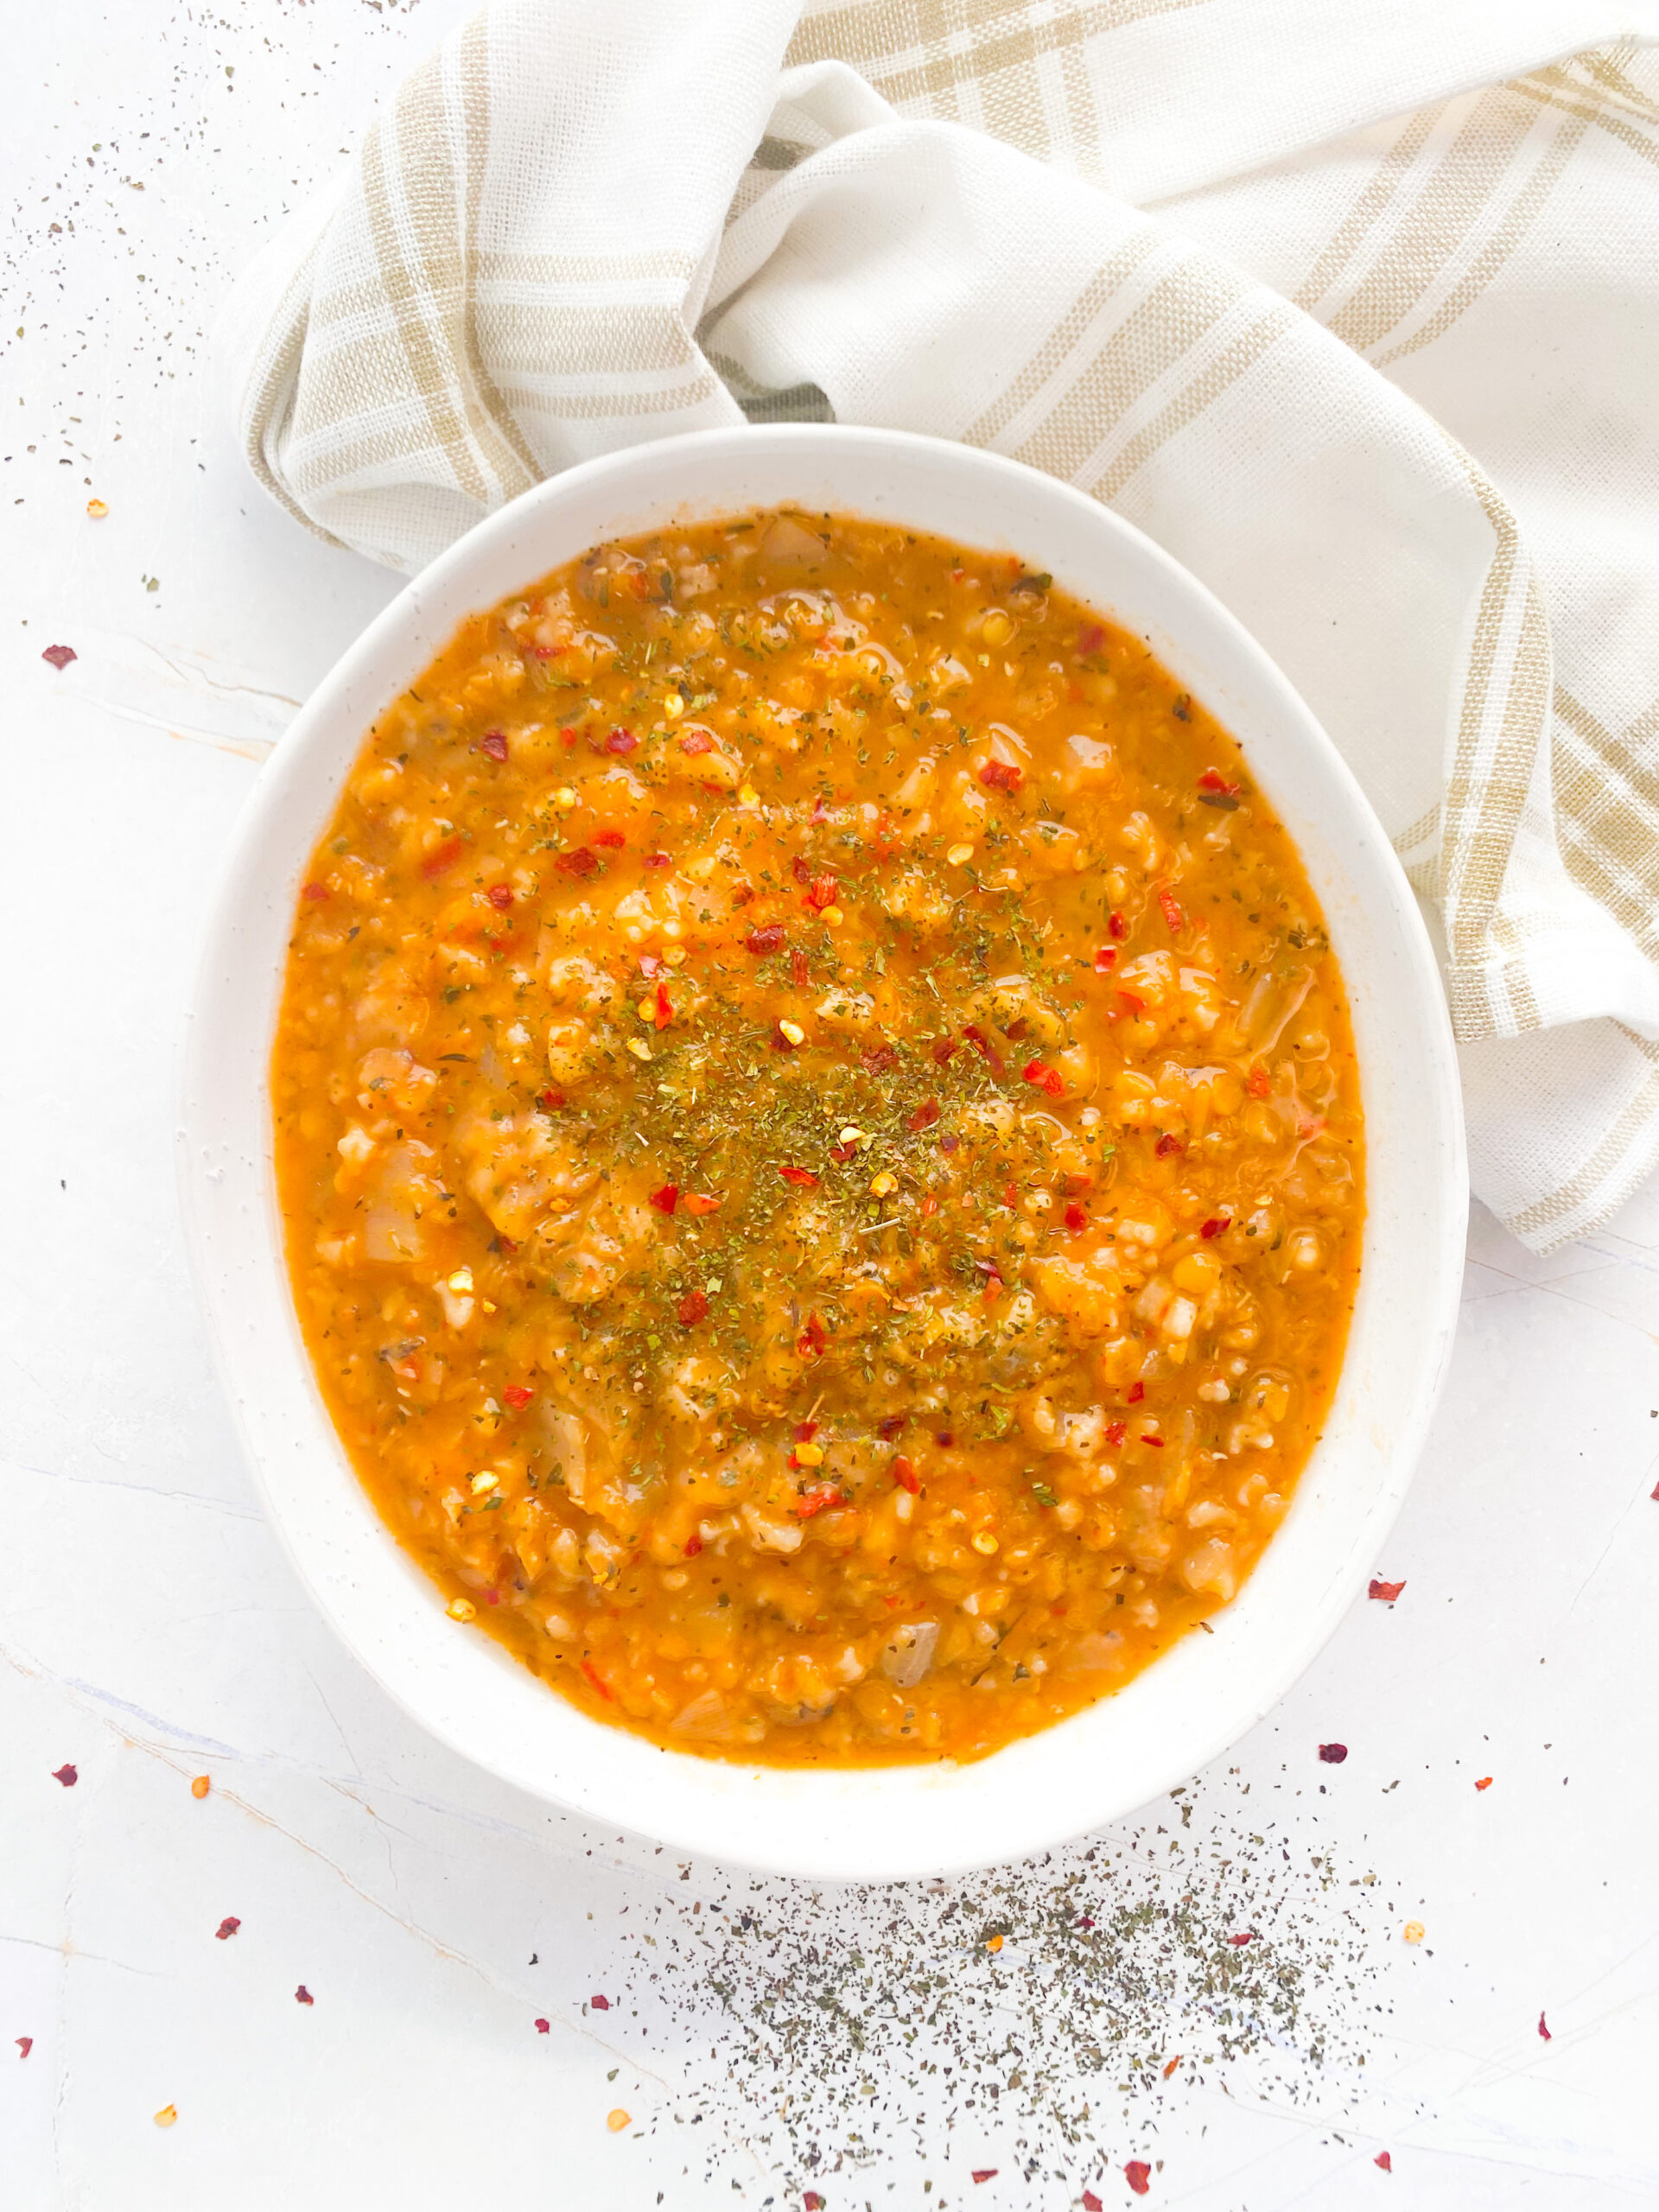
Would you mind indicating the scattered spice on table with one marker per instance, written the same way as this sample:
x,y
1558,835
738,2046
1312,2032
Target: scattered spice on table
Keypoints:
x,y
226,1928
1138,2174
1485,1782
60,656
600,2003
616,2119
200,1786
1543,2028
1414,1931
167,2115
1383,2160
1333,1754
98,509
1388,1591
543,2027
25,2044
302,1996
68,1776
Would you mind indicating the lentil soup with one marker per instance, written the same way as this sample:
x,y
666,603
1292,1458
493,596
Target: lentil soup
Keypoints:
x,y
819,1141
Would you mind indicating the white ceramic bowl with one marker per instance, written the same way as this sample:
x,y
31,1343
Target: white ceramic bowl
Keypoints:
x,y
876,1823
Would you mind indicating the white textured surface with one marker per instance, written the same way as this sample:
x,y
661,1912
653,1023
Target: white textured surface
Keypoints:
x,y
150,1630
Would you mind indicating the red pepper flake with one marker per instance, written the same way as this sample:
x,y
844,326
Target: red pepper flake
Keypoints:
x,y
1115,1434
1137,1391
925,1115
1090,639
904,1474
1173,2064
1333,1754
1076,1219
802,1178
543,2027
1166,1144
621,740
1002,776
60,656
1543,2028
693,1309
500,897
1213,780
1091,2202
664,1011
699,1202
1258,1082
810,1342
806,1430
818,1500
1383,2160
1172,914
442,856
494,742
552,1099
1485,1782
767,940
600,2003
986,2173
982,1044
226,1928
811,2201
659,860
696,741
878,1059
1138,2174
1105,958
302,1996
801,869
1239,1941
517,1396
693,1546
1224,1221
888,1429
945,1439
1045,1078
1156,1442
578,861
821,893
25,2044
1132,999
1118,926
68,1776
612,840
598,1681
315,893
666,1200
945,1051
1388,1591
799,973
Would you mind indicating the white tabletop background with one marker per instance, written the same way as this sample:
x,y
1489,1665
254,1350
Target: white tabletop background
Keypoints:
x,y
767,2039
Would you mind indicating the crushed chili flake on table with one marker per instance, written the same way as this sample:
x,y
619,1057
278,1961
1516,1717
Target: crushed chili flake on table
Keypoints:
x,y
68,1776
986,2173
60,656
1387,1592
1485,1782
1138,2174
25,2044
543,2027
600,2003
226,1928
200,1786
1333,1754
811,2201
1091,2202
302,1996
1543,2028
1383,2160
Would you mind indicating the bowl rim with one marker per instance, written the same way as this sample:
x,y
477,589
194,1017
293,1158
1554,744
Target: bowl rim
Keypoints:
x,y
723,1828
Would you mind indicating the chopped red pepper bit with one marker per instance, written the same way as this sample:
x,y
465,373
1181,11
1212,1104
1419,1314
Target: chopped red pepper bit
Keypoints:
x,y
806,1430
1258,1082
494,742
1137,1391
1383,2160
699,1202
612,840
621,740
1485,1782
1215,1228
821,893
1045,1078
765,939
1115,1434
517,1396
664,1013
302,1996
68,1776
810,1342
1543,2029
315,893
666,1200
1105,958
25,2044
543,2027
1090,639
659,860
500,897
1138,2174
1156,1442
442,856
1213,780
818,1500
694,1307
693,1546
226,1928
1173,2064
598,1680
945,1051
1002,776
982,1044
1076,1218
1166,1144
552,1099
904,1474
925,1115
1118,926
1388,1591
578,861
1333,1754
1134,1003
799,973
60,656
1091,2202
802,1178
1173,916
696,741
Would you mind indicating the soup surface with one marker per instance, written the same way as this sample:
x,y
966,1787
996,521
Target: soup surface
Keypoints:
x,y
819,1139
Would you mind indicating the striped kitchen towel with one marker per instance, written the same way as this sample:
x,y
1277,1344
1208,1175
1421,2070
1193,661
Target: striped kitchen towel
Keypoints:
x,y
1355,309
